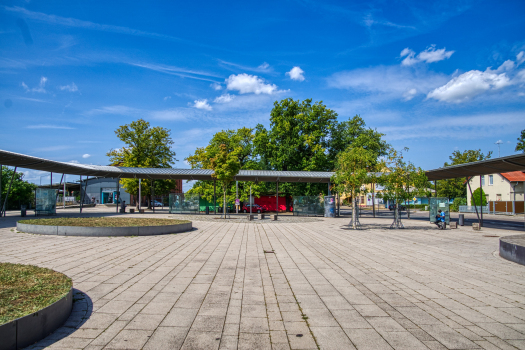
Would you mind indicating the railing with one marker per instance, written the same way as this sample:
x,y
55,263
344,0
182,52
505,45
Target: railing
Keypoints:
x,y
472,209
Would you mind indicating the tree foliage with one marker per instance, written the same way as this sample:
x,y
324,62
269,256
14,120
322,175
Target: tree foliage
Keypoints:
x,y
403,180
238,143
306,136
353,168
145,147
456,187
22,192
475,200
521,142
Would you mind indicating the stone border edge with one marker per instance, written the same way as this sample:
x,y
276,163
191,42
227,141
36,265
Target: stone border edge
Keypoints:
x,y
512,251
31,328
103,231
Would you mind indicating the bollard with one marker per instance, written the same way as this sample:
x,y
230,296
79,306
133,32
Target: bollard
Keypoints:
x,y
461,219
23,211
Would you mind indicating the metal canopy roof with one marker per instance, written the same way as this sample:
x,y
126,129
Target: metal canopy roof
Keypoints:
x,y
29,162
483,167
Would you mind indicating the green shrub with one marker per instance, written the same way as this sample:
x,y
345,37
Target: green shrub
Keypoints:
x,y
475,197
457,202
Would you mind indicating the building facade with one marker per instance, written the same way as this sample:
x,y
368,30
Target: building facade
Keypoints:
x,y
499,187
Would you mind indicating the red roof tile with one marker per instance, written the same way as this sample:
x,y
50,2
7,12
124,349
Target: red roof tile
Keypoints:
x,y
514,176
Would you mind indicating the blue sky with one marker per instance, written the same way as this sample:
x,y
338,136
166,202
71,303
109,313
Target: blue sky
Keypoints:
x,y
433,76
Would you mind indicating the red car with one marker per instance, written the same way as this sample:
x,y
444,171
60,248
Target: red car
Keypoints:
x,y
256,208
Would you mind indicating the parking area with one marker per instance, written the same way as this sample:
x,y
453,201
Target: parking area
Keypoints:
x,y
289,285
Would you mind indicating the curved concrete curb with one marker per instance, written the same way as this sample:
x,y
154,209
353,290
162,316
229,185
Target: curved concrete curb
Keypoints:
x,y
29,329
103,231
513,248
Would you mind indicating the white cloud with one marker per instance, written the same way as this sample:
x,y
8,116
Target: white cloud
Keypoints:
x,y
409,94
224,98
165,114
296,74
393,82
216,86
70,88
429,55
40,88
245,83
468,85
202,104
520,58
46,126
264,66
86,155
167,98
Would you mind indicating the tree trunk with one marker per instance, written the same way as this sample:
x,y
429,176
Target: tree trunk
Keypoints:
x,y
354,211
224,204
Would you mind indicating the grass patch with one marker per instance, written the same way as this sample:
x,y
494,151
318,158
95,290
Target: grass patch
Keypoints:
x,y
25,289
103,222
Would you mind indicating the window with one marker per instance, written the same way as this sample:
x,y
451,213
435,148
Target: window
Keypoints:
x,y
482,180
491,180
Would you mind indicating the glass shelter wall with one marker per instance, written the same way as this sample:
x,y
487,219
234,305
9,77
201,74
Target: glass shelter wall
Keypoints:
x,y
45,199
308,205
437,203
183,203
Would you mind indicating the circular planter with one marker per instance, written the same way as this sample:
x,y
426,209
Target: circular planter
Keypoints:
x,y
513,248
29,329
103,231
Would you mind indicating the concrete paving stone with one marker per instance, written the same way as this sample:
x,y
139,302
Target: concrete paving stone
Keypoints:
x,y
131,312
254,341
434,345
278,336
99,320
501,331
130,339
421,334
179,317
501,344
117,307
291,316
254,325
275,325
167,338
520,344
293,328
145,322
417,315
350,319
208,323
89,333
370,310
403,341
384,324
197,340
306,341
105,337
69,343
449,337
253,310
229,342
157,308
367,339
213,309
231,329
320,318
331,338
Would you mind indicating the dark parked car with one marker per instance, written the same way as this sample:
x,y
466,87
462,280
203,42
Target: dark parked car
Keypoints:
x,y
401,207
256,208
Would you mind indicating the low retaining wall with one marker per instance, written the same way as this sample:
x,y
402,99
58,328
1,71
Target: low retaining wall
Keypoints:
x,y
29,329
513,248
103,231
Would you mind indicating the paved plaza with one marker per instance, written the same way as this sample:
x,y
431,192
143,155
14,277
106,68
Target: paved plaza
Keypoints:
x,y
288,285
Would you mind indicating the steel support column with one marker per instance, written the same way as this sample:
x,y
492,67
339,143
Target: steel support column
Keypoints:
x,y
480,201
277,197
373,200
79,193
140,193
64,192
236,197
472,197
118,194
153,195
214,197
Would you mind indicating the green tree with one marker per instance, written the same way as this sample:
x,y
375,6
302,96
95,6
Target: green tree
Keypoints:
x,y
226,153
521,142
145,147
474,200
353,168
402,181
241,139
22,192
456,187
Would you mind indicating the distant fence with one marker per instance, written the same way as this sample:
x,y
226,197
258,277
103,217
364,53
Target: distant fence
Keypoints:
x,y
506,207
472,209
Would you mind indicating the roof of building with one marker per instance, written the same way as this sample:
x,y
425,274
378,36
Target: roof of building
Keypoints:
x,y
514,176
490,166
25,161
